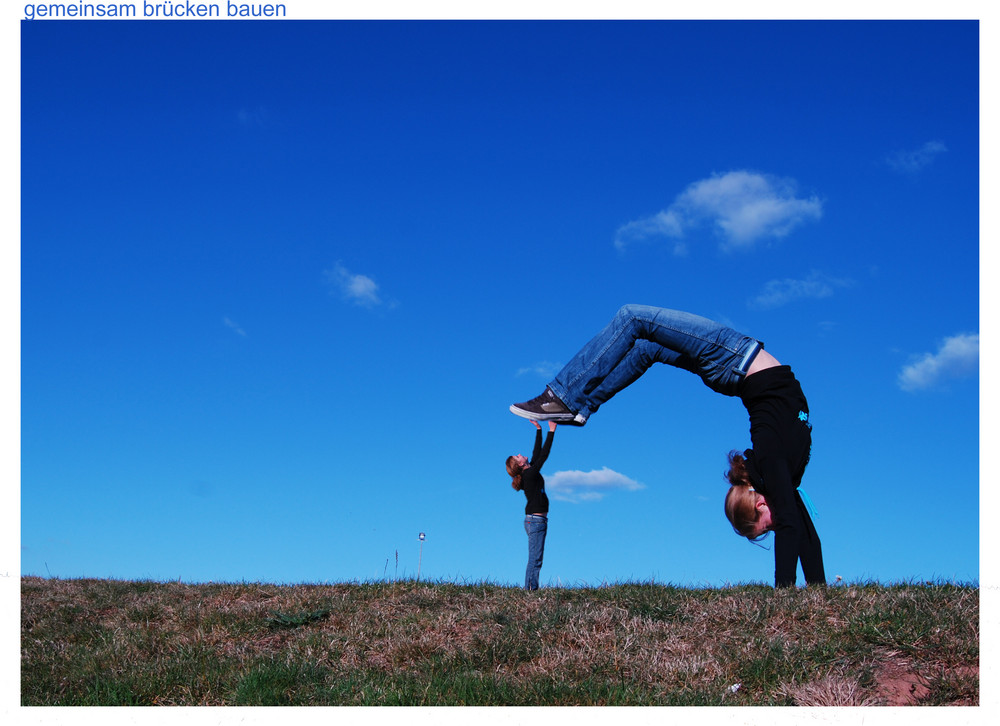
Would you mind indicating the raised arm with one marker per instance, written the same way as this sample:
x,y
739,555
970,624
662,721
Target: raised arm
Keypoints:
x,y
541,451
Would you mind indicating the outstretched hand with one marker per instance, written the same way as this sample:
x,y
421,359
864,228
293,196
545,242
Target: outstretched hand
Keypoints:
x,y
552,424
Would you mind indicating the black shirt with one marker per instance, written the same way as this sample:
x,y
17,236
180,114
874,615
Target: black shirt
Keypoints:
x,y
782,441
532,483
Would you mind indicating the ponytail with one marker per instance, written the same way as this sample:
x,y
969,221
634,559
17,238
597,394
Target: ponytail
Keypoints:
x,y
741,500
515,472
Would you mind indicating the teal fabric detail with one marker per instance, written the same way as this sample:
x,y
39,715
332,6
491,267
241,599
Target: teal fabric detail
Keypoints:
x,y
808,502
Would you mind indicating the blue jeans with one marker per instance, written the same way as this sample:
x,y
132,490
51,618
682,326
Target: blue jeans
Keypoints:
x,y
638,337
535,526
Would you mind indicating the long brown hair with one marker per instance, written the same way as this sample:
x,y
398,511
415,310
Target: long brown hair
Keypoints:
x,y
741,499
514,469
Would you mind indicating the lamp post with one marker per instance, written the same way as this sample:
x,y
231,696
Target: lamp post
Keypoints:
x,y
421,537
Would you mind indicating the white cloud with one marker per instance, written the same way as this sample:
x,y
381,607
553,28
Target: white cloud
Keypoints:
x,y
781,292
578,486
742,207
957,357
358,289
234,327
542,369
662,224
910,162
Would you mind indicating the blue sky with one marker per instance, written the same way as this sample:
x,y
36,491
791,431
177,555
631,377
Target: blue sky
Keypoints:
x,y
281,281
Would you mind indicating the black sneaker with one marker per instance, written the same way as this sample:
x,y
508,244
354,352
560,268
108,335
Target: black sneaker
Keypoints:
x,y
547,407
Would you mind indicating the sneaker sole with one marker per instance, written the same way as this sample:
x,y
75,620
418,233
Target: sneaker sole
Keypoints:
x,y
563,418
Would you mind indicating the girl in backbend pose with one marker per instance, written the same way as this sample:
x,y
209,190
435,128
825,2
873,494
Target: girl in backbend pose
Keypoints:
x,y
764,479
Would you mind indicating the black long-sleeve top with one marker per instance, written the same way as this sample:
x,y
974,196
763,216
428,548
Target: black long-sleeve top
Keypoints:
x,y
532,482
782,441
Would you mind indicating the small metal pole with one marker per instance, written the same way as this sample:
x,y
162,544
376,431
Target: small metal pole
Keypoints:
x,y
421,558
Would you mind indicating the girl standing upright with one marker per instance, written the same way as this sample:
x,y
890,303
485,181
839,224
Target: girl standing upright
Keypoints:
x,y
527,477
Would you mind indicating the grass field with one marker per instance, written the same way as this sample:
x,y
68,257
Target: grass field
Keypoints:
x,y
109,642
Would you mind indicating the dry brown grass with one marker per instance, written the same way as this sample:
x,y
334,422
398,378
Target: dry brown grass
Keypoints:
x,y
106,642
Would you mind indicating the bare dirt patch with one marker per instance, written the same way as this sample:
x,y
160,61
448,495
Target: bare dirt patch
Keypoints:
x,y
898,685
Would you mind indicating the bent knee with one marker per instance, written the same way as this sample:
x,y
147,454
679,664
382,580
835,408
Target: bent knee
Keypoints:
x,y
648,352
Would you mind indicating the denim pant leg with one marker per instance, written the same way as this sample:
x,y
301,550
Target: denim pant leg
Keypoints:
x,y
536,528
640,335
